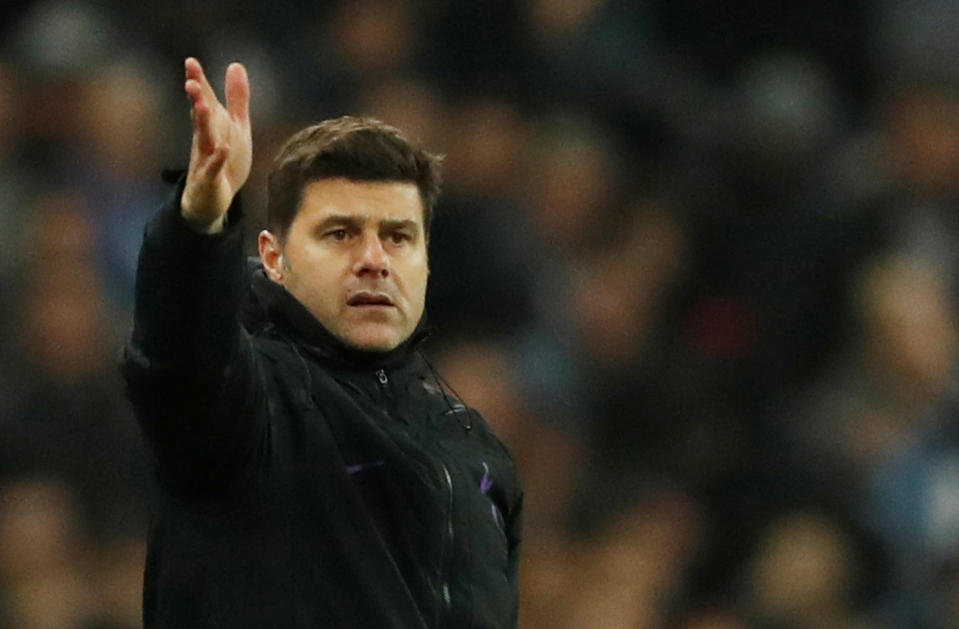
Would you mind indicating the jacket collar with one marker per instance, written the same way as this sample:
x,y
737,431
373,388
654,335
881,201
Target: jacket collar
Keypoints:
x,y
270,303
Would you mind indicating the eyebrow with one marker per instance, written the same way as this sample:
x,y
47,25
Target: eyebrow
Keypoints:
x,y
391,224
344,220
357,222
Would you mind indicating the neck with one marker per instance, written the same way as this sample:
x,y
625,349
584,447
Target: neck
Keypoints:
x,y
284,310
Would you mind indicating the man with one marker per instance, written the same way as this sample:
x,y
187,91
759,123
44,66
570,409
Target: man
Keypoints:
x,y
313,470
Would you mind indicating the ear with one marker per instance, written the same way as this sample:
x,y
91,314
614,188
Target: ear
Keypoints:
x,y
271,255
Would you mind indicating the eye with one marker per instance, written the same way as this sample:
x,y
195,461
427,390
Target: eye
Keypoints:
x,y
338,235
398,238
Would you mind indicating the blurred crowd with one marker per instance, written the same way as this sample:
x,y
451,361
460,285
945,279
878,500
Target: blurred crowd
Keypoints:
x,y
696,261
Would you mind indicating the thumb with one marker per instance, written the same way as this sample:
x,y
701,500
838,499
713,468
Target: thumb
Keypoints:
x,y
238,93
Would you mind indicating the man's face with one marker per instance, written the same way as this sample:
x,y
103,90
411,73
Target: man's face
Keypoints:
x,y
355,256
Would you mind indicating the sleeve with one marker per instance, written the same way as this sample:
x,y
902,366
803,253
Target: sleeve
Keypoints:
x,y
190,369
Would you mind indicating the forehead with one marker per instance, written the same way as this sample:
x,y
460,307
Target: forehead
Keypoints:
x,y
376,200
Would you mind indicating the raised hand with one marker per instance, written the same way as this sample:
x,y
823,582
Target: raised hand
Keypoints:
x,y
222,148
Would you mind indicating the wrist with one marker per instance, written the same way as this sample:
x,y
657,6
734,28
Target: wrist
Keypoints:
x,y
203,223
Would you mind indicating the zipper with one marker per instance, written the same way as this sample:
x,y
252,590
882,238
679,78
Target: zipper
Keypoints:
x,y
448,547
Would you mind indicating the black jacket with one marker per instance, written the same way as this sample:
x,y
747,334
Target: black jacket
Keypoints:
x,y
301,483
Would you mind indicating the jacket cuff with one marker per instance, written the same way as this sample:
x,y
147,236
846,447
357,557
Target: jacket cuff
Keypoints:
x,y
168,223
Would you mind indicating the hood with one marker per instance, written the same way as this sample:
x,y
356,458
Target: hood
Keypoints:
x,y
270,304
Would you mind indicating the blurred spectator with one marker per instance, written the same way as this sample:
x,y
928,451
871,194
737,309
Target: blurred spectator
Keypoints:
x,y
16,181
477,48
881,429
120,148
346,46
886,385
549,579
918,153
802,576
573,180
41,558
768,262
67,418
914,37
719,38
632,568
621,294
56,44
603,55
478,249
413,105
117,571
709,618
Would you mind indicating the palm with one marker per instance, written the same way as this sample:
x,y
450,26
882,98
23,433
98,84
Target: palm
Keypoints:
x,y
222,148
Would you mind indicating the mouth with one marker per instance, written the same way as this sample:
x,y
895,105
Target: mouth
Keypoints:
x,y
368,299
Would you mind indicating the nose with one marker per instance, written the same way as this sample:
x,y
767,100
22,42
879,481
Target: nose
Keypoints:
x,y
372,259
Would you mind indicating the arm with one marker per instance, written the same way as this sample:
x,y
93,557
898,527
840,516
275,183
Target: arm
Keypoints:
x,y
189,365
514,536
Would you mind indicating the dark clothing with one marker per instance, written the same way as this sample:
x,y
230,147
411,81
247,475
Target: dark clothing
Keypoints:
x,y
302,483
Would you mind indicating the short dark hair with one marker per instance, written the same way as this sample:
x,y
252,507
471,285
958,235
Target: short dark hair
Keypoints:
x,y
357,148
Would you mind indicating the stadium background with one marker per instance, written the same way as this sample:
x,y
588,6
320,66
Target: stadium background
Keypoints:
x,y
696,261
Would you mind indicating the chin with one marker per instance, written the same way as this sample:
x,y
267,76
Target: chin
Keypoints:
x,y
373,346
372,342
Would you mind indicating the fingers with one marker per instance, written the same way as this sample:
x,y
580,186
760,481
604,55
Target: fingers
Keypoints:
x,y
194,71
202,125
238,93
192,67
203,100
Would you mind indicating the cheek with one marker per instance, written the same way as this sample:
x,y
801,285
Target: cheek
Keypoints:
x,y
313,260
416,276
317,274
